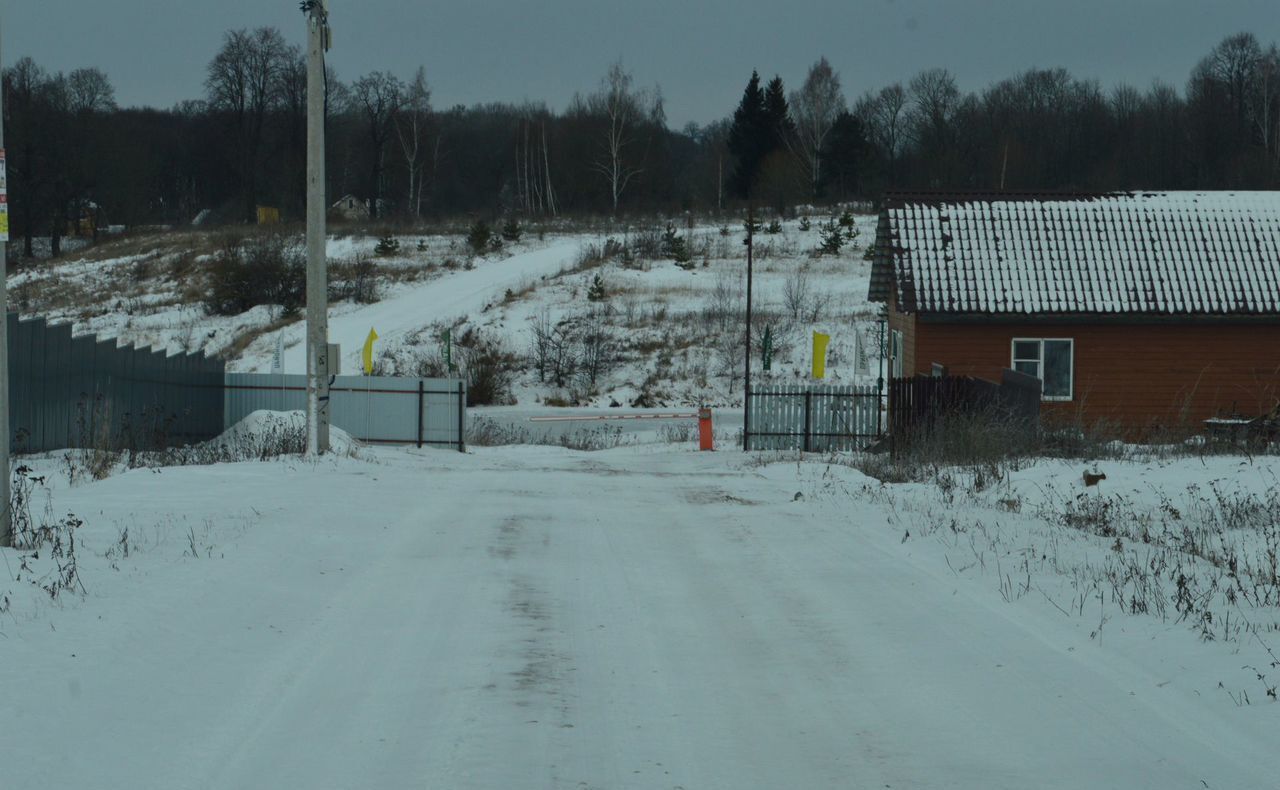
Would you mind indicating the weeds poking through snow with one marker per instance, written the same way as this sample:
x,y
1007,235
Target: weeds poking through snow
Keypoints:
x,y
46,544
483,432
1207,556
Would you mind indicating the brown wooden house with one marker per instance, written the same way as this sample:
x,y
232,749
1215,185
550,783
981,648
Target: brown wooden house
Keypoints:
x,y
1135,309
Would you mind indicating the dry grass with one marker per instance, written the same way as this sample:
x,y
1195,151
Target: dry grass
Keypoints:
x,y
162,244
247,337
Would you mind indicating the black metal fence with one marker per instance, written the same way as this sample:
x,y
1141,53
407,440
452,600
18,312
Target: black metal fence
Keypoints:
x,y
813,418
921,405
67,391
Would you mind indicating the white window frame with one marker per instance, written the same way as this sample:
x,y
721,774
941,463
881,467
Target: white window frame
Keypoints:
x,y
1040,341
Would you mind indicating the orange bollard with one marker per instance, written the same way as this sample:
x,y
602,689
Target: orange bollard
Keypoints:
x,y
706,437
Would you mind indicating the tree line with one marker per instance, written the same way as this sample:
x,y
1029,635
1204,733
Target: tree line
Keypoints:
x,y
75,155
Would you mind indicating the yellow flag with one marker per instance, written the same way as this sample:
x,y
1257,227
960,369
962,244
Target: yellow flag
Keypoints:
x,y
820,342
368,352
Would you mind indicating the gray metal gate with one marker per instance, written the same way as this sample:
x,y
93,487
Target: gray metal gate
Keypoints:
x,y
372,409
813,418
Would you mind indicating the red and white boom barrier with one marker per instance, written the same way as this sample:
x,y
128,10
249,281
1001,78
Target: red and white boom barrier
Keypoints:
x,y
706,437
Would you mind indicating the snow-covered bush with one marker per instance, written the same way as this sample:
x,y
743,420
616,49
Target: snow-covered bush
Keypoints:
x,y
488,367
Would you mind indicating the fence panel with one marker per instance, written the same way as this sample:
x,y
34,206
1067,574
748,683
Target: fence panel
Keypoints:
x,y
372,409
818,418
67,392
918,404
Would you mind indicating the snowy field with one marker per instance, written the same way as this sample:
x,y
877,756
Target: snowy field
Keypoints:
x,y
646,617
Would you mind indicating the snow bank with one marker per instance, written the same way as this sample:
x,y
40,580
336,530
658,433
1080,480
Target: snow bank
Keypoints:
x,y
269,433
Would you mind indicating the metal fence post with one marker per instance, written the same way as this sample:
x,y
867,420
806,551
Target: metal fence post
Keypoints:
x,y
808,423
422,399
462,418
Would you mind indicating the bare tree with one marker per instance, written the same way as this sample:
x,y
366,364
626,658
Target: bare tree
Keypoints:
x,y
380,96
596,350
934,100
411,126
815,108
1126,102
90,91
802,301
1263,96
724,302
535,192
624,110
291,92
242,82
1234,64
26,115
884,115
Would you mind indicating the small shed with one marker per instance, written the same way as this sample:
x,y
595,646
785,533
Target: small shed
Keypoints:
x,y
1135,309
351,208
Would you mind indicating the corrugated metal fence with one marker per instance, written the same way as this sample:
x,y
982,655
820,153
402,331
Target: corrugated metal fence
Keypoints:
x,y
813,418
372,409
67,391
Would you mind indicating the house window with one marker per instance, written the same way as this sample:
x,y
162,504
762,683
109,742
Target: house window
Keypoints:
x,y
895,353
1050,360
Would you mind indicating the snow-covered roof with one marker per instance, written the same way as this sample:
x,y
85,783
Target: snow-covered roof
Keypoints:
x,y
1147,253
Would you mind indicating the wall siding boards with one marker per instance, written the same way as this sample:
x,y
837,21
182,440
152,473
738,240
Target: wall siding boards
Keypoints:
x,y
1137,375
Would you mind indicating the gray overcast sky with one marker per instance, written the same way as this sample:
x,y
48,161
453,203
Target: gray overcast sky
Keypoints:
x,y
700,51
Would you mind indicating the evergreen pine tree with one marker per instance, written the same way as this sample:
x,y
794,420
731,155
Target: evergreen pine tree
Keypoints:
x,y
480,237
777,116
762,125
843,154
387,245
597,292
747,140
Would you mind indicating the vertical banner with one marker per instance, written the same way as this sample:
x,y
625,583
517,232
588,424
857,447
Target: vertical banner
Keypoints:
x,y
4,197
367,355
820,343
277,360
863,364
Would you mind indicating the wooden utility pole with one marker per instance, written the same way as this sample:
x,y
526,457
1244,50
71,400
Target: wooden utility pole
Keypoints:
x,y
318,380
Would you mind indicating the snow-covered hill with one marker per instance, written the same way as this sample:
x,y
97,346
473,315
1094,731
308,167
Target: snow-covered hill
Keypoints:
x,y
634,327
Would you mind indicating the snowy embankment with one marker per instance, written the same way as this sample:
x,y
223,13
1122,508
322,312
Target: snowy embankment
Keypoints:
x,y
639,618
644,315
450,297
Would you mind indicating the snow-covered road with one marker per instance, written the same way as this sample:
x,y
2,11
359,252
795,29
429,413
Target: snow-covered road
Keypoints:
x,y
535,618
453,295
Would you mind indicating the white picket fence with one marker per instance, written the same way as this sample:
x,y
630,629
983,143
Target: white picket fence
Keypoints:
x,y
813,418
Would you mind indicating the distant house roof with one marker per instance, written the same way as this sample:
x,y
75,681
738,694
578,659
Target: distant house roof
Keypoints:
x,y
1148,253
